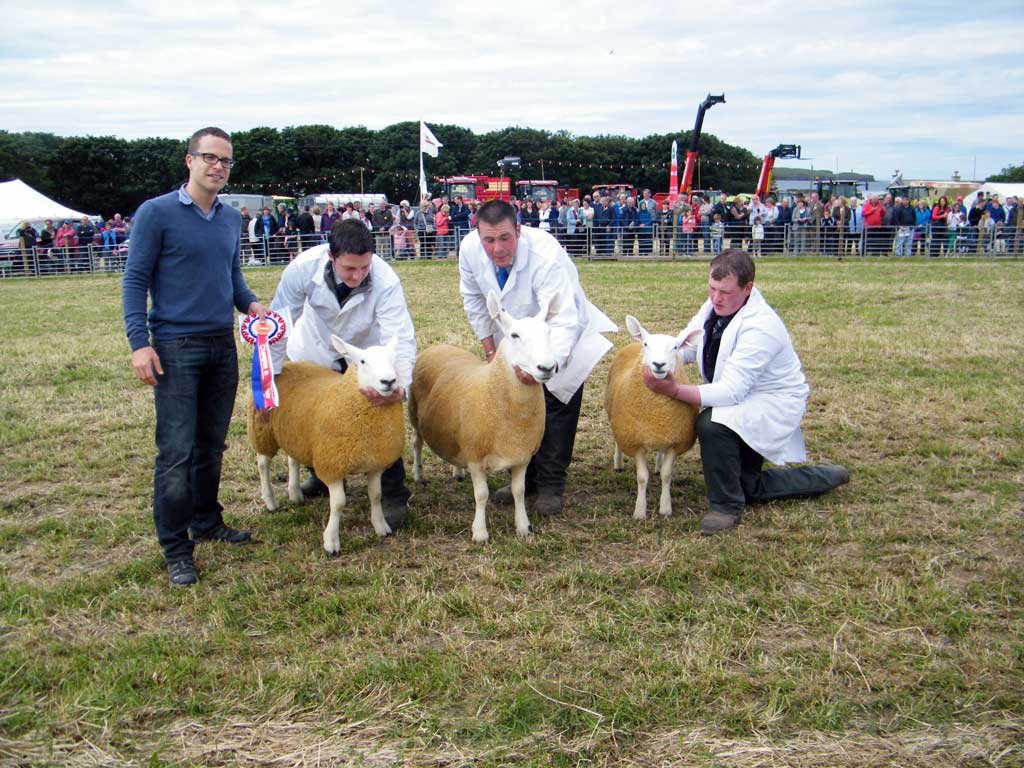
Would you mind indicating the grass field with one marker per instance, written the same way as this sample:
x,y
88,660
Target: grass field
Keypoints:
x,y
879,625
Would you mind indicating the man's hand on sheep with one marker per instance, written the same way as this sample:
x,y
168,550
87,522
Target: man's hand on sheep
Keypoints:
x,y
379,400
258,309
146,363
669,387
524,377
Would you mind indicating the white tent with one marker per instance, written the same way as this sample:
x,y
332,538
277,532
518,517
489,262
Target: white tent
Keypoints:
x,y
1003,189
19,202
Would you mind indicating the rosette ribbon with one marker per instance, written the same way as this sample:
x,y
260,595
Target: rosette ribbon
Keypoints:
x,y
261,334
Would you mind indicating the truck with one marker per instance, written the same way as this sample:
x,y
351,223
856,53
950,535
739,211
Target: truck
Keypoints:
x,y
478,189
545,189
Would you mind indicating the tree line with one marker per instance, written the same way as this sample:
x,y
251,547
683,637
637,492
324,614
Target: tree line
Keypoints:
x,y
107,174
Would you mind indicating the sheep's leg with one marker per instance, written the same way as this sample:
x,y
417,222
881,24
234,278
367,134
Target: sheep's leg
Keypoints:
x,y
667,463
266,489
380,525
480,494
642,476
294,489
617,463
523,527
332,539
459,473
417,456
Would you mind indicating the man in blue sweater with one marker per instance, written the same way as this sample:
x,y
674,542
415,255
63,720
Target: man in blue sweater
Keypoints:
x,y
184,252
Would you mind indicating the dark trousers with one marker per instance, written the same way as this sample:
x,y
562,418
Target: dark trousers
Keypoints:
x,y
733,474
194,399
549,467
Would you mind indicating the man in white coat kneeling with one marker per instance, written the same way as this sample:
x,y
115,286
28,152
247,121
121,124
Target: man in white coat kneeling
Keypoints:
x,y
343,288
754,403
528,268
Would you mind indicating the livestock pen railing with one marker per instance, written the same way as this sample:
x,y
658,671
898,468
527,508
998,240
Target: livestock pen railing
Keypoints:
x,y
592,243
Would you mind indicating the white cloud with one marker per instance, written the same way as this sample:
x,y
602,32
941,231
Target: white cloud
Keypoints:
x,y
881,84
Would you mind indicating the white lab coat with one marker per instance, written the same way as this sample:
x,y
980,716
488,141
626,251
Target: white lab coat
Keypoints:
x,y
368,318
759,390
542,271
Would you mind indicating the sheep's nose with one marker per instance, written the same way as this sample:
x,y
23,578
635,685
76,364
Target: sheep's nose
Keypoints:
x,y
545,368
387,383
658,366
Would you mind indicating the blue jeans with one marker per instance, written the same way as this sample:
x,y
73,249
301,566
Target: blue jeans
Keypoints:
x,y
194,399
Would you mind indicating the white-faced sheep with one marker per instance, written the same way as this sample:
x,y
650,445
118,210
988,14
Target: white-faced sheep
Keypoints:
x,y
643,421
325,422
481,416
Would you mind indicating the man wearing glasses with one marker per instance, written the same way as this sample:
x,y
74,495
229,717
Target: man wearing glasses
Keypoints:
x,y
184,252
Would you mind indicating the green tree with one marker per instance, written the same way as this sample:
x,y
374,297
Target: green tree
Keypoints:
x,y
1009,173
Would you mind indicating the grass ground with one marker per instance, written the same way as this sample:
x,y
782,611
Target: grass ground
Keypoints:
x,y
880,625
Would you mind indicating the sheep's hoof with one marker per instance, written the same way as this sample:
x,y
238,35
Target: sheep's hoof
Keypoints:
x,y
383,530
332,545
525,533
480,537
665,512
639,515
271,504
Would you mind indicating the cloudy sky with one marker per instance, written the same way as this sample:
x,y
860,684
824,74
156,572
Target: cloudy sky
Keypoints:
x,y
926,87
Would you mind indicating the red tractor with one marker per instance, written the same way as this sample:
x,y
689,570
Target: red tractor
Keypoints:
x,y
545,190
477,189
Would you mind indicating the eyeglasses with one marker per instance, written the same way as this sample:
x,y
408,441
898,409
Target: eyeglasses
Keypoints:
x,y
211,159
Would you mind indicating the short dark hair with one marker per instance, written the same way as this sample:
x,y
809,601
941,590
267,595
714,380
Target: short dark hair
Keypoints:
x,y
494,212
733,261
193,142
350,236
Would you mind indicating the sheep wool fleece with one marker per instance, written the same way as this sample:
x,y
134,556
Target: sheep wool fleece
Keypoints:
x,y
642,419
324,421
468,410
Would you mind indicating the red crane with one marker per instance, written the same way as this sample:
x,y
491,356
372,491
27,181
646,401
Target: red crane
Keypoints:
x,y
691,156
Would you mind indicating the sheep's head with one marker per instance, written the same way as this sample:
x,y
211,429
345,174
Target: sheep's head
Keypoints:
x,y
527,340
661,351
375,366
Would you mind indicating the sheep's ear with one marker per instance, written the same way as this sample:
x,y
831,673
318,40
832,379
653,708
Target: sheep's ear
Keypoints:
x,y
493,304
635,329
498,313
688,339
345,350
553,308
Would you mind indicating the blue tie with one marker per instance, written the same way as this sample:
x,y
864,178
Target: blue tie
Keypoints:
x,y
502,276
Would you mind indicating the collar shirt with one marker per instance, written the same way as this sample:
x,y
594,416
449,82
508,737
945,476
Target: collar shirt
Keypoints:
x,y
541,272
186,199
758,389
372,314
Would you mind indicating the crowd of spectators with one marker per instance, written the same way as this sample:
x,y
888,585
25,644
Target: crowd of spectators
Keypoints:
x,y
601,228
74,246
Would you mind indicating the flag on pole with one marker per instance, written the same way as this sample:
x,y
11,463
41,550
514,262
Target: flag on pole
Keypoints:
x,y
428,145
428,141
673,177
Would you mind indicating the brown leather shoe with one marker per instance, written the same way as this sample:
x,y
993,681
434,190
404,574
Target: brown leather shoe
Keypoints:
x,y
716,522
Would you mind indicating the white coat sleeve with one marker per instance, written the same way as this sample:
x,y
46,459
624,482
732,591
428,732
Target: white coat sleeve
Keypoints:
x,y
552,285
394,320
289,301
754,351
474,300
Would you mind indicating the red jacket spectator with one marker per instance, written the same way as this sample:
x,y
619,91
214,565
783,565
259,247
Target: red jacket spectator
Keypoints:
x,y
66,237
873,211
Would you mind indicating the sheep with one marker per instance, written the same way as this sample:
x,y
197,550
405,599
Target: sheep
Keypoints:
x,y
644,421
324,421
481,416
